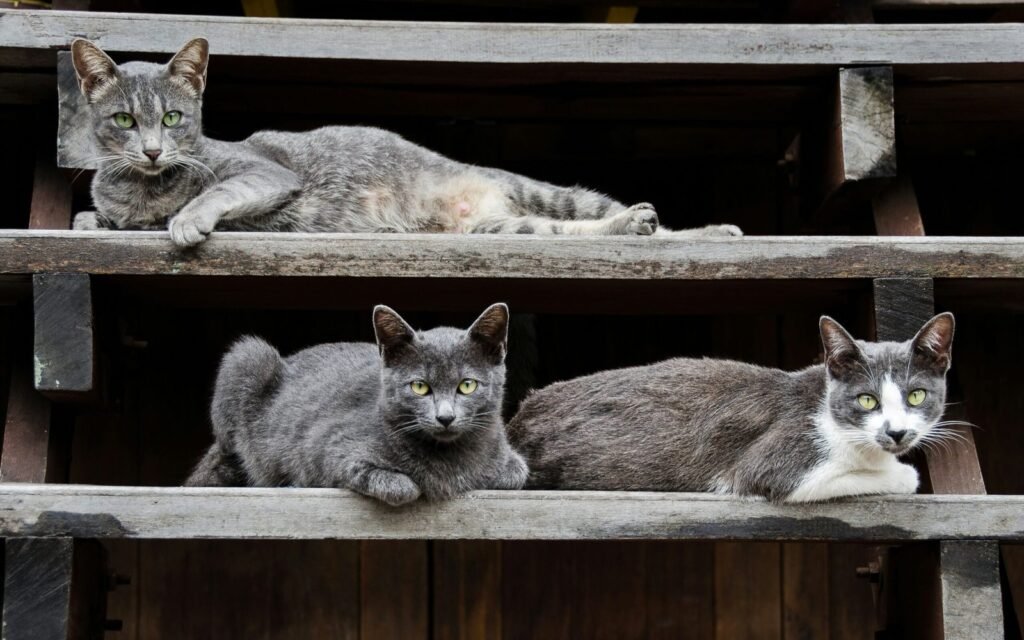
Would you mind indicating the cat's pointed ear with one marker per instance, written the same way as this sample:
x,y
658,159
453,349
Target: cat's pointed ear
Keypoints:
x,y
393,333
189,65
490,331
933,344
95,70
841,351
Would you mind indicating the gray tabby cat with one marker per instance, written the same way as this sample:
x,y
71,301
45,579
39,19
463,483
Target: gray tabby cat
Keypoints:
x,y
418,414
157,166
827,431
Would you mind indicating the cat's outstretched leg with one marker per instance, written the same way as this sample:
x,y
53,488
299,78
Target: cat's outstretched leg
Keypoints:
x,y
823,484
710,231
638,220
217,469
91,221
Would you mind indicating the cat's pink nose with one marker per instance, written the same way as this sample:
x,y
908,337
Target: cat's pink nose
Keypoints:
x,y
152,154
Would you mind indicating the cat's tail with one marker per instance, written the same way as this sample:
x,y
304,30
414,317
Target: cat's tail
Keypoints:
x,y
249,376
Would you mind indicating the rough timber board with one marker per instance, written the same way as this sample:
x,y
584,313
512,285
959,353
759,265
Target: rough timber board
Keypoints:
x,y
681,44
517,256
157,512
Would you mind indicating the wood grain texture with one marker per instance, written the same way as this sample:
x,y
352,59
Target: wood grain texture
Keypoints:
x,y
805,593
680,590
394,590
686,44
466,585
896,211
747,591
902,306
37,588
153,512
27,447
499,256
865,126
64,354
972,605
50,207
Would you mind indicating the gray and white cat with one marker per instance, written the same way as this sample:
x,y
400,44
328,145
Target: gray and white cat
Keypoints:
x,y
827,431
417,414
157,169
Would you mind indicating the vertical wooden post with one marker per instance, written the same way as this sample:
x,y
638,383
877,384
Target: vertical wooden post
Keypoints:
x,y
63,358
394,589
968,571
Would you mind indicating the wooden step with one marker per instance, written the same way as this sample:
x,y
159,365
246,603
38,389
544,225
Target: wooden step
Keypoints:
x,y
460,256
80,511
715,50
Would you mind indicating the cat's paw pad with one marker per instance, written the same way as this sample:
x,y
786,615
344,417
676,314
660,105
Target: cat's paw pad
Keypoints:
x,y
87,221
723,230
642,219
189,230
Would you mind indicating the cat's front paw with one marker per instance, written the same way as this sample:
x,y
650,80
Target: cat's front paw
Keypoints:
x,y
513,475
392,488
89,221
189,229
905,479
640,220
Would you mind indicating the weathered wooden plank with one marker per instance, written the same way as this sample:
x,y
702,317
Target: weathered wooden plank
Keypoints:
x,y
64,347
902,306
37,588
683,44
972,605
164,512
496,256
864,130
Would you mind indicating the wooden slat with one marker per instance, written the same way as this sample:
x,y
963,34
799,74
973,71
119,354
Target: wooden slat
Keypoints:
x,y
896,211
27,452
64,348
467,584
492,256
747,591
805,596
394,587
157,512
685,44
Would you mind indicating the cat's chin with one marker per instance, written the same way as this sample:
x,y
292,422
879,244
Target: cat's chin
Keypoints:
x,y
446,437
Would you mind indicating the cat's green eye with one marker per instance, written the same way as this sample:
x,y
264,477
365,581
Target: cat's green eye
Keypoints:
x,y
867,401
467,386
124,120
420,388
916,397
172,118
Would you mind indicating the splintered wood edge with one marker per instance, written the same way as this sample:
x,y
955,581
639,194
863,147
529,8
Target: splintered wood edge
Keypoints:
x,y
180,513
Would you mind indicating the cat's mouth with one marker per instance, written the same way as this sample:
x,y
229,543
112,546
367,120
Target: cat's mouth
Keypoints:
x,y
446,435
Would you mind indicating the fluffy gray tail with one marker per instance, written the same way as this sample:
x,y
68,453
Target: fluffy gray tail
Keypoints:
x,y
249,375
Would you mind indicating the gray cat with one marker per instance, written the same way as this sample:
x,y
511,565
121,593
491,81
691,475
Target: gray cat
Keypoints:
x,y
827,431
418,414
157,169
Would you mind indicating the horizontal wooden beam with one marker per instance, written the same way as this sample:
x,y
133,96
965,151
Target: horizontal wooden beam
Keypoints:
x,y
164,512
786,45
511,257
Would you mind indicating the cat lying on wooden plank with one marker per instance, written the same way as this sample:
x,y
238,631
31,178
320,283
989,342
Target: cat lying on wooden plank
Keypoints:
x,y
827,431
157,170
419,413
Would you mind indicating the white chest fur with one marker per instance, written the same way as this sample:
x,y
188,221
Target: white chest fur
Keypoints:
x,y
852,468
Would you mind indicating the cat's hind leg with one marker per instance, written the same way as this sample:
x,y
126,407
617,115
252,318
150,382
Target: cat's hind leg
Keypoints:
x,y
638,220
217,469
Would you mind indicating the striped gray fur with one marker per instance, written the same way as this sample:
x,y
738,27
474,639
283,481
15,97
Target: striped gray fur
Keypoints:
x,y
343,179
